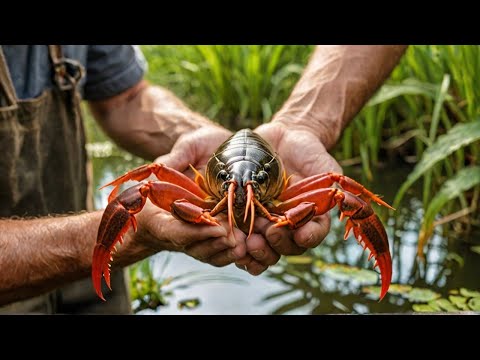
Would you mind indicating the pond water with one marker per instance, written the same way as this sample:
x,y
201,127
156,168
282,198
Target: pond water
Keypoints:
x,y
312,283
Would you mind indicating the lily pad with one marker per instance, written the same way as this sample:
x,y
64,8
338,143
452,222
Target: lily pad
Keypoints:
x,y
349,273
446,305
469,293
299,260
474,304
433,304
419,295
398,289
395,289
188,303
459,301
373,290
423,308
475,249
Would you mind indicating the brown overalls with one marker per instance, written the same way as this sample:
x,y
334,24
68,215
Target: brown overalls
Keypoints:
x,y
43,166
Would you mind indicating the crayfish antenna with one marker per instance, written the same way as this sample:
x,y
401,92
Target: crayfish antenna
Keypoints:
x,y
250,206
231,198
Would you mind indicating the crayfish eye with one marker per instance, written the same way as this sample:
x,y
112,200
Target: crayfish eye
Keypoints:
x,y
267,167
261,177
223,174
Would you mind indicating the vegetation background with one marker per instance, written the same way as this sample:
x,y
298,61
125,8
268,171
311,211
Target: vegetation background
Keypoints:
x,y
426,116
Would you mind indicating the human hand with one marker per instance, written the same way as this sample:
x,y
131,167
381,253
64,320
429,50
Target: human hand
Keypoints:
x,y
314,160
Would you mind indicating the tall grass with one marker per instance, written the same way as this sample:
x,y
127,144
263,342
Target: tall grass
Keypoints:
x,y
238,86
433,89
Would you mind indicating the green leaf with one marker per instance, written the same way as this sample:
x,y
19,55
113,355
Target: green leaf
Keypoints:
x,y
469,293
464,180
442,94
300,259
421,295
458,136
407,87
474,304
475,249
455,257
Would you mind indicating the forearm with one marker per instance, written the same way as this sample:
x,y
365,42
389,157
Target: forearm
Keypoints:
x,y
39,255
335,85
149,122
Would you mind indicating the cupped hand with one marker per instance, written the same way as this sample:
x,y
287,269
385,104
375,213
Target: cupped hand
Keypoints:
x,y
214,245
303,155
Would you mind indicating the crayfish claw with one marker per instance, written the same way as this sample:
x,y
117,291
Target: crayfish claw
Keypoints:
x,y
371,234
116,220
101,257
384,262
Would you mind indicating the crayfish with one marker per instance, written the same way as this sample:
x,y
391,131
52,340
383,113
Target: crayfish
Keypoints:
x,y
245,178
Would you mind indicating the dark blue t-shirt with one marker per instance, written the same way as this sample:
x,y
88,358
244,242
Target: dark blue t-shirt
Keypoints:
x,y
110,69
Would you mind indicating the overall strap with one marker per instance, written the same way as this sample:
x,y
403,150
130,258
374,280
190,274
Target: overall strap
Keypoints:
x,y
67,72
6,83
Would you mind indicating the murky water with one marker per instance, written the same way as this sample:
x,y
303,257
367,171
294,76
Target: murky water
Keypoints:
x,y
311,284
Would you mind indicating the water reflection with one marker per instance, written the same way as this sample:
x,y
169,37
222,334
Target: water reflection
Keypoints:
x,y
311,285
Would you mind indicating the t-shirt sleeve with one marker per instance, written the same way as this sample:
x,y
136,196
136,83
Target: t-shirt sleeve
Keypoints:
x,y
111,69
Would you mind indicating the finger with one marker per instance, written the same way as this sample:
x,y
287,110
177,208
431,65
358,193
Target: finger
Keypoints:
x,y
242,262
229,256
183,234
208,248
255,268
312,233
250,265
261,251
282,241
176,160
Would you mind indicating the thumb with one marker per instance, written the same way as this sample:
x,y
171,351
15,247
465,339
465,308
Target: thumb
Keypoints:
x,y
176,160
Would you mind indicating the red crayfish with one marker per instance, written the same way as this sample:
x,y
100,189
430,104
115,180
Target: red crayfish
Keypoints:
x,y
246,178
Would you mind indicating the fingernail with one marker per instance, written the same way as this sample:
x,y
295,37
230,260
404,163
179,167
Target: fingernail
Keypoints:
x,y
258,254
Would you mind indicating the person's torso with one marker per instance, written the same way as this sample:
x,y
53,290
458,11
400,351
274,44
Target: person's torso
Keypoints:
x,y
43,161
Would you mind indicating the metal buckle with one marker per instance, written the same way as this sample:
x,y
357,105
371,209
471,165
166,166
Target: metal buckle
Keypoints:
x,y
68,73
